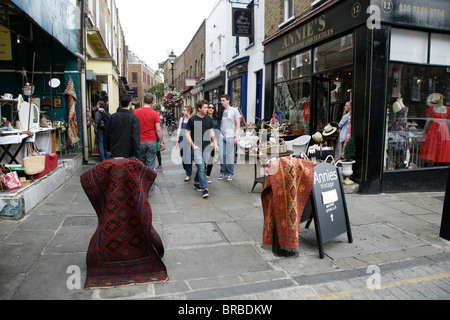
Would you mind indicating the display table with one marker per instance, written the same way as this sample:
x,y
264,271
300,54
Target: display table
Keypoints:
x,y
13,144
261,163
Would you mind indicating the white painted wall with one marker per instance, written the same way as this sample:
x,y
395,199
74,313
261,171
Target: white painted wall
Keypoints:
x,y
220,49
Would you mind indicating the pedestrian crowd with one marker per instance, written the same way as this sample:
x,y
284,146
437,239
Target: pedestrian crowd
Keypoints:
x,y
204,134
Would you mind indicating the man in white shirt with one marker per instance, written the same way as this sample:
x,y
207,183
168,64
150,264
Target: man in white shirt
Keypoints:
x,y
229,133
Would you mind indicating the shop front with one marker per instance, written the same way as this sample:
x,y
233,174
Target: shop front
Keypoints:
x,y
102,79
38,71
238,83
368,53
214,88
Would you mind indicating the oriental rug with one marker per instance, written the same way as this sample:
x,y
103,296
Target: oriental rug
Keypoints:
x,y
283,200
125,249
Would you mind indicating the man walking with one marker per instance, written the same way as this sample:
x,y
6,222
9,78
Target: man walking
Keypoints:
x,y
199,134
229,133
101,119
150,124
122,132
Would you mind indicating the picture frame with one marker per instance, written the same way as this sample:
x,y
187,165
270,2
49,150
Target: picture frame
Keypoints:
x,y
57,103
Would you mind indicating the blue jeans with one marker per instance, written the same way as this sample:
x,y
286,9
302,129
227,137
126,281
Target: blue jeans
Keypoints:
x,y
200,160
104,155
148,155
186,157
227,153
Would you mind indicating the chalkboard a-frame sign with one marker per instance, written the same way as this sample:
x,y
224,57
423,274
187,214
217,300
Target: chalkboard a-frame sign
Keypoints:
x,y
329,205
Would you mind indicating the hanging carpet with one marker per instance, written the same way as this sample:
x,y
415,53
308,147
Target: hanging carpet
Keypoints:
x,y
125,249
73,124
283,200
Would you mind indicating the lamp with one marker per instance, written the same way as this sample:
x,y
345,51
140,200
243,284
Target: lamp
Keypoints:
x,y
172,58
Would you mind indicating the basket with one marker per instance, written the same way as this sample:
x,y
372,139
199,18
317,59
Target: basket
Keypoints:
x,y
33,164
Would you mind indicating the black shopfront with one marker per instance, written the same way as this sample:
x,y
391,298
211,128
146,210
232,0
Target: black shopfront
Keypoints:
x,y
371,53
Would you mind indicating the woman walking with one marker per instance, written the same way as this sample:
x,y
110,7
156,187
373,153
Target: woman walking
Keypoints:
x,y
185,148
215,119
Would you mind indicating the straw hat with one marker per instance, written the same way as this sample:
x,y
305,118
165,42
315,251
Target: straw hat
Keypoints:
x,y
434,98
328,130
317,137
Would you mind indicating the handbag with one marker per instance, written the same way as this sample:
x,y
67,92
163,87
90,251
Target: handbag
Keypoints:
x,y
33,164
51,162
10,180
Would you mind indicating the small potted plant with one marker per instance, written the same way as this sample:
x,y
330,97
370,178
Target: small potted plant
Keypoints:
x,y
347,162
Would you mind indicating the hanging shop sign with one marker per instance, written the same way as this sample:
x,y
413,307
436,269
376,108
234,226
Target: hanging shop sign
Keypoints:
x,y
191,82
243,23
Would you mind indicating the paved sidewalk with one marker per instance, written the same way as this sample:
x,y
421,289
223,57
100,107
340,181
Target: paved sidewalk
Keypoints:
x,y
213,246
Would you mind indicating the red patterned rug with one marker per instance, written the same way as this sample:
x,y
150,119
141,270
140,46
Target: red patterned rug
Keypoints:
x,y
125,249
284,198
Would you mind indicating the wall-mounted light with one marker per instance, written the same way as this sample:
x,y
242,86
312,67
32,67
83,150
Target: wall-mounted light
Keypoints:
x,y
18,39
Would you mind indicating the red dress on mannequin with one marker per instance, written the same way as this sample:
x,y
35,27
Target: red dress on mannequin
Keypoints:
x,y
436,140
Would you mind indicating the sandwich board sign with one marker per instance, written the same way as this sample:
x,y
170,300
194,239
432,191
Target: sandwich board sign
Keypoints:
x,y
329,205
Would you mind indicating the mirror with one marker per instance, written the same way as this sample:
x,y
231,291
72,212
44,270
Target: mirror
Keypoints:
x,y
54,83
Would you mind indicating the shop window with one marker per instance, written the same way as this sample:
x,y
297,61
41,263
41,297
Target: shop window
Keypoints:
x,y
418,121
333,54
301,65
409,45
292,103
282,70
236,92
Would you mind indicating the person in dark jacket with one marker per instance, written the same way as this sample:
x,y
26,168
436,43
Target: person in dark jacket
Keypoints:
x,y
122,135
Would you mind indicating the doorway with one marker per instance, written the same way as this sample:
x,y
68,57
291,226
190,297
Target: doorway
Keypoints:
x,y
259,86
332,90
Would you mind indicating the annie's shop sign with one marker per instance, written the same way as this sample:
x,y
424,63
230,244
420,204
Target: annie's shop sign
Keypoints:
x,y
322,26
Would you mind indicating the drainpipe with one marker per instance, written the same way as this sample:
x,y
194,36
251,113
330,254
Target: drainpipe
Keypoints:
x,y
83,87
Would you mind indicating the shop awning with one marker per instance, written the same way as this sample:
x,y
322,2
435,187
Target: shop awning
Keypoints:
x,y
215,82
95,46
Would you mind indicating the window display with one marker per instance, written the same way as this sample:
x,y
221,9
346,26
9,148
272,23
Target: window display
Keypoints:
x,y
292,91
418,117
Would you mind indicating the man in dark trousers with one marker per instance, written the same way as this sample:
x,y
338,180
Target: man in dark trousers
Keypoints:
x,y
199,134
122,134
100,125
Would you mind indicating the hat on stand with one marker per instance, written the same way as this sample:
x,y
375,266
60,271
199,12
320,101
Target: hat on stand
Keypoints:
x,y
328,130
317,137
434,98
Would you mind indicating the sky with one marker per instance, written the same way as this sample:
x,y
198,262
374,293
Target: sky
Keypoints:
x,y
152,28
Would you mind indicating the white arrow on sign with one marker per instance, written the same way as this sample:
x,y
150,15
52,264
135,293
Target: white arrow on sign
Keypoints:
x,y
332,218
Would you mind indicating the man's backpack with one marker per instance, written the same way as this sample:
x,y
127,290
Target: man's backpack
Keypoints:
x,y
104,119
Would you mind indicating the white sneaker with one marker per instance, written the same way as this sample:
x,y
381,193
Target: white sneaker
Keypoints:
x,y
221,176
208,179
230,178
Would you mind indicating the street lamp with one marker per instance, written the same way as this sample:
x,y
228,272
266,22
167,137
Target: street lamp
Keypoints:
x,y
172,58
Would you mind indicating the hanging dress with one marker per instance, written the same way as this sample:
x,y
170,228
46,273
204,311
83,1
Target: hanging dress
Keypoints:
x,y
436,140
401,139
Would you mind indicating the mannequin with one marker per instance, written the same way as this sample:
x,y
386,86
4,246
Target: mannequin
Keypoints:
x,y
398,105
436,140
401,140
